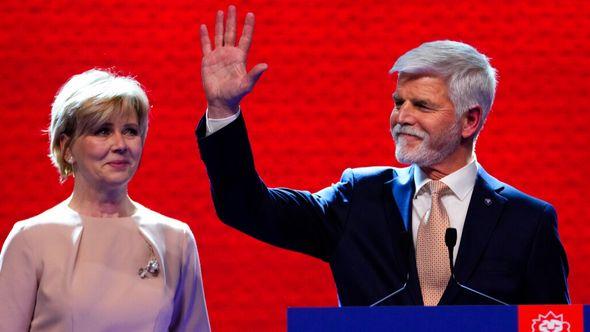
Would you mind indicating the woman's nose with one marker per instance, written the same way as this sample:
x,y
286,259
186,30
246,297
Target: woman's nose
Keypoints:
x,y
119,143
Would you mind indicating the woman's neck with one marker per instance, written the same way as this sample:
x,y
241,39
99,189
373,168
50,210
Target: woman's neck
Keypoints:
x,y
89,201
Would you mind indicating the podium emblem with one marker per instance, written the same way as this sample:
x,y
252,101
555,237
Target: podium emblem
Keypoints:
x,y
550,322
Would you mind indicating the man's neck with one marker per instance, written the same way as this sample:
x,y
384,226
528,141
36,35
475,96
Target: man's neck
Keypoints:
x,y
448,166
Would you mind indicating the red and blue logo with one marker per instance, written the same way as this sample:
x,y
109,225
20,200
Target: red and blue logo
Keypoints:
x,y
550,318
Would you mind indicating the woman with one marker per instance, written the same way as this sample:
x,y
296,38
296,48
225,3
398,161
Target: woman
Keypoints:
x,y
100,261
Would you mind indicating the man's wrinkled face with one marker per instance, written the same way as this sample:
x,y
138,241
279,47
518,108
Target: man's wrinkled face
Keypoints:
x,y
423,122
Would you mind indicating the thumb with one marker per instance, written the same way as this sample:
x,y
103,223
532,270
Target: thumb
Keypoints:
x,y
254,74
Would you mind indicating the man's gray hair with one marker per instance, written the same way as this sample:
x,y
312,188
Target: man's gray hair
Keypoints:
x,y
470,78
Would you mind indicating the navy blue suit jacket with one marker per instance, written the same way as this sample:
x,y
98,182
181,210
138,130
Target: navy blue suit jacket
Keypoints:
x,y
510,248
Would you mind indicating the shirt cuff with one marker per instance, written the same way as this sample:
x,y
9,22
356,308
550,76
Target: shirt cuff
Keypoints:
x,y
214,125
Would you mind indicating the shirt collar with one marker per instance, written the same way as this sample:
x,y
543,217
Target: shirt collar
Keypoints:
x,y
461,181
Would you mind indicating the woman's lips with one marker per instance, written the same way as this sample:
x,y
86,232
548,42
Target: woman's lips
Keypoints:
x,y
118,164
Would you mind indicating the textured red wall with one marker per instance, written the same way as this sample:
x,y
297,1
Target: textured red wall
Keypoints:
x,y
322,106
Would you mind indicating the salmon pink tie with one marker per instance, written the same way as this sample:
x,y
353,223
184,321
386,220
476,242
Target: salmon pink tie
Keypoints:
x,y
432,257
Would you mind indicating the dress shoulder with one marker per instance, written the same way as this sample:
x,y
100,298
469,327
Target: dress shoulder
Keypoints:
x,y
146,216
55,218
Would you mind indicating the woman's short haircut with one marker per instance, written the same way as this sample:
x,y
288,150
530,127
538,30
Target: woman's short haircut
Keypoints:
x,y
470,78
88,100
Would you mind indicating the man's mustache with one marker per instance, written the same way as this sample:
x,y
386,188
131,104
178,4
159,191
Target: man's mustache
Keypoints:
x,y
408,130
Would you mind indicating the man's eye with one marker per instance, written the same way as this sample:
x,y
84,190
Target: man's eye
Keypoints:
x,y
423,106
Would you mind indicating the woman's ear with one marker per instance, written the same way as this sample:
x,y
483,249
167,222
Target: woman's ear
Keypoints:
x,y
65,147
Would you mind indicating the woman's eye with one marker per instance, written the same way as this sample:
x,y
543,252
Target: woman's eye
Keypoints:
x,y
131,132
102,132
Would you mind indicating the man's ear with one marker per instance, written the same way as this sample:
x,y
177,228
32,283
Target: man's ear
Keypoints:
x,y
471,121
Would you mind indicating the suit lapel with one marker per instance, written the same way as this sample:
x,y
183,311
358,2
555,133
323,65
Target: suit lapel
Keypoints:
x,y
403,190
483,214
400,190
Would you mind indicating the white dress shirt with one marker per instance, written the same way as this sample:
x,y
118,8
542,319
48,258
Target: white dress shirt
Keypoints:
x,y
213,125
461,183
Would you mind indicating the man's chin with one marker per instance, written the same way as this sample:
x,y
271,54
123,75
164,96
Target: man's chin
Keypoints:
x,y
405,158
408,158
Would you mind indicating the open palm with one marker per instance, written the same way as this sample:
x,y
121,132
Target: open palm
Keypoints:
x,y
223,70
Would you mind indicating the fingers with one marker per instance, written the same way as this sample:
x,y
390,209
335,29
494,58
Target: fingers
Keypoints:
x,y
219,29
205,41
230,27
254,74
247,32
229,37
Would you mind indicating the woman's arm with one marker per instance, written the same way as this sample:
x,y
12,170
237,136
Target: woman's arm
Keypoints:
x,y
190,310
18,281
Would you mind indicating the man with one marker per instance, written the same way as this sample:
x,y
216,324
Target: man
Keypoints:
x,y
382,229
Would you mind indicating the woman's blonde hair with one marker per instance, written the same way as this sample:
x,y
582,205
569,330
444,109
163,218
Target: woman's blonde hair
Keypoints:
x,y
87,100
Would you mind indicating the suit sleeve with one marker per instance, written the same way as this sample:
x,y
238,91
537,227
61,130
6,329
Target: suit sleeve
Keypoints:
x,y
18,282
190,310
291,219
547,269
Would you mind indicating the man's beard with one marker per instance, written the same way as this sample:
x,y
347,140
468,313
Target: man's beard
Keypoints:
x,y
430,151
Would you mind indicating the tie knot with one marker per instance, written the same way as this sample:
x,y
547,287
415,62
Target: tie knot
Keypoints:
x,y
438,188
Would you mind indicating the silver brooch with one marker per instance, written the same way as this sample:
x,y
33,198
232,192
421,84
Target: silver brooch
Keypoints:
x,y
152,268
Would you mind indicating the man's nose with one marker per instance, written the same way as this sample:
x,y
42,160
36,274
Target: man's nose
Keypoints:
x,y
405,114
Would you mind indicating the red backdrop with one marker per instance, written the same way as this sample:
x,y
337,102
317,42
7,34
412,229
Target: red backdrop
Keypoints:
x,y
322,106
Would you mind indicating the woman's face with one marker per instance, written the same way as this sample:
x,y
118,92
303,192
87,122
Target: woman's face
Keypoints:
x,y
108,156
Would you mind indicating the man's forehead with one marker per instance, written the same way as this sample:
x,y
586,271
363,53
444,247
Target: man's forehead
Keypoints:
x,y
424,81
404,77
420,87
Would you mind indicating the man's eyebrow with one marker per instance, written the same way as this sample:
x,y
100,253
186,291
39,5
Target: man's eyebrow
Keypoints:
x,y
416,101
422,101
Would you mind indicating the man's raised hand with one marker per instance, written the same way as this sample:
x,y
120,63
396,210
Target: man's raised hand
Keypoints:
x,y
223,68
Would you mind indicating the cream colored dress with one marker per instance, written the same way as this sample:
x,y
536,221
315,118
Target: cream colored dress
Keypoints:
x,y
60,271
